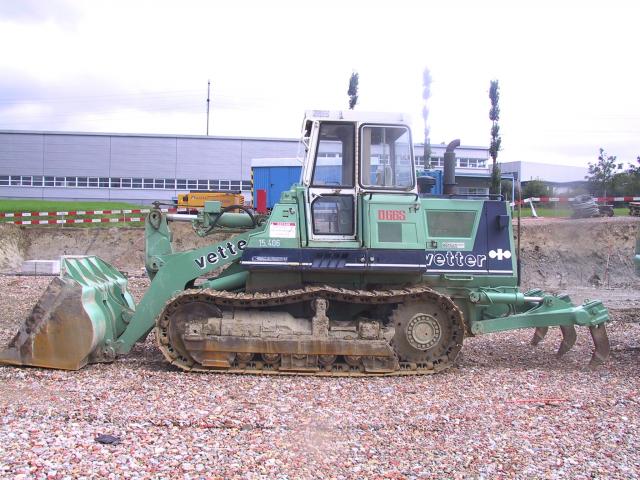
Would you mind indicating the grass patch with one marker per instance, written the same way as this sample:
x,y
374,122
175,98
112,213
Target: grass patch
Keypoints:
x,y
36,205
563,211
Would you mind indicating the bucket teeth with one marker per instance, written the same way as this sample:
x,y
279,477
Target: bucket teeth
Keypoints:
x,y
601,343
568,339
538,335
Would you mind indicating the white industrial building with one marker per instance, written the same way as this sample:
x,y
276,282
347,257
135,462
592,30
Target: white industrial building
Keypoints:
x,y
141,168
561,177
138,168
473,169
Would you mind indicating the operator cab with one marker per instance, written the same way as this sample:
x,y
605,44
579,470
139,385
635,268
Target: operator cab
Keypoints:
x,y
349,154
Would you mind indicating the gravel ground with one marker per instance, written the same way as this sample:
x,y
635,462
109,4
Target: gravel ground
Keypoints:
x,y
507,411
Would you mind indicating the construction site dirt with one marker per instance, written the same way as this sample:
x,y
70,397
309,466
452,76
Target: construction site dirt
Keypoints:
x,y
508,409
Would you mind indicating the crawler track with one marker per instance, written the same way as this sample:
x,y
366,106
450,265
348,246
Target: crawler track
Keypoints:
x,y
210,303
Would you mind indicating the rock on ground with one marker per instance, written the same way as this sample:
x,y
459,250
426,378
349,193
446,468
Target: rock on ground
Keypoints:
x,y
508,410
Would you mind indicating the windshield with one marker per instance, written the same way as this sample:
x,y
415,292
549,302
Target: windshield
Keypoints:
x,y
386,157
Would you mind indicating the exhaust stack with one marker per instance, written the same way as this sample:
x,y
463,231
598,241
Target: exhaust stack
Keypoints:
x,y
450,167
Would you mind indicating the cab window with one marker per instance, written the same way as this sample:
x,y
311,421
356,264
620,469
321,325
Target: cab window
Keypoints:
x,y
335,156
333,215
386,157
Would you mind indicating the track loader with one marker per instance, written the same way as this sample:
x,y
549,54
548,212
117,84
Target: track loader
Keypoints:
x,y
356,271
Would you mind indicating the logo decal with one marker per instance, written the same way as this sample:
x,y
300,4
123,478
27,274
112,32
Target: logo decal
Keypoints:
x,y
391,215
500,254
457,259
223,251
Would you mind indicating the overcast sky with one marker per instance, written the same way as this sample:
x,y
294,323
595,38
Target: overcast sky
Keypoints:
x,y
569,75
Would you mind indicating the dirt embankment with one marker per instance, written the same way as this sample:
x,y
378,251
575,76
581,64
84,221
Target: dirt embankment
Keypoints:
x,y
596,252
555,253
121,247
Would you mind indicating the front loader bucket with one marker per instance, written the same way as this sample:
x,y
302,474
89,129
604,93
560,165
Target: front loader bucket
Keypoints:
x,y
77,318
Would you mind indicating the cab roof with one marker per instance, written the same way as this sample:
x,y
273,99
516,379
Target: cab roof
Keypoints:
x,y
357,116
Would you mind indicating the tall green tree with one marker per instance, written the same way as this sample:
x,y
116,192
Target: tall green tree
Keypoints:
x,y
353,90
632,175
426,93
634,170
494,147
602,174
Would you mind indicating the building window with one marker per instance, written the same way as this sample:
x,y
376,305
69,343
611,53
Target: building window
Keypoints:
x,y
473,191
117,182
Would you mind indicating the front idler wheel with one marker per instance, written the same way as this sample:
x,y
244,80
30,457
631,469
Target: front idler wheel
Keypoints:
x,y
172,324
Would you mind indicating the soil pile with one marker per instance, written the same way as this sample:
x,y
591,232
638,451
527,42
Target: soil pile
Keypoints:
x,y
13,245
596,252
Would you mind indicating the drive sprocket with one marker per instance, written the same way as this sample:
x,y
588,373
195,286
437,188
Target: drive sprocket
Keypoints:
x,y
427,332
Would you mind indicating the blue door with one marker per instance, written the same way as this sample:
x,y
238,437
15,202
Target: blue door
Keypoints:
x,y
280,180
275,180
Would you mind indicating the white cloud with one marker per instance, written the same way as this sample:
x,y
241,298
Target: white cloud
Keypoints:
x,y
567,74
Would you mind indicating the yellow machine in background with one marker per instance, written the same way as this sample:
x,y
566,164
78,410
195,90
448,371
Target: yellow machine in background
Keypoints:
x,y
196,199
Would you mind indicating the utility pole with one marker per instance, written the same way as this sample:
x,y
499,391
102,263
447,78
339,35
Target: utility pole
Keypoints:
x,y
208,101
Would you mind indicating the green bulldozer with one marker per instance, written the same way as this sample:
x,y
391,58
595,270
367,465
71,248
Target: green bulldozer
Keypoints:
x,y
358,270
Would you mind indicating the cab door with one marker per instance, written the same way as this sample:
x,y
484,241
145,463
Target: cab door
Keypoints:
x,y
332,213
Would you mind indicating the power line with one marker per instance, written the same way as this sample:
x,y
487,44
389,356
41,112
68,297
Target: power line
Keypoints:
x,y
92,98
